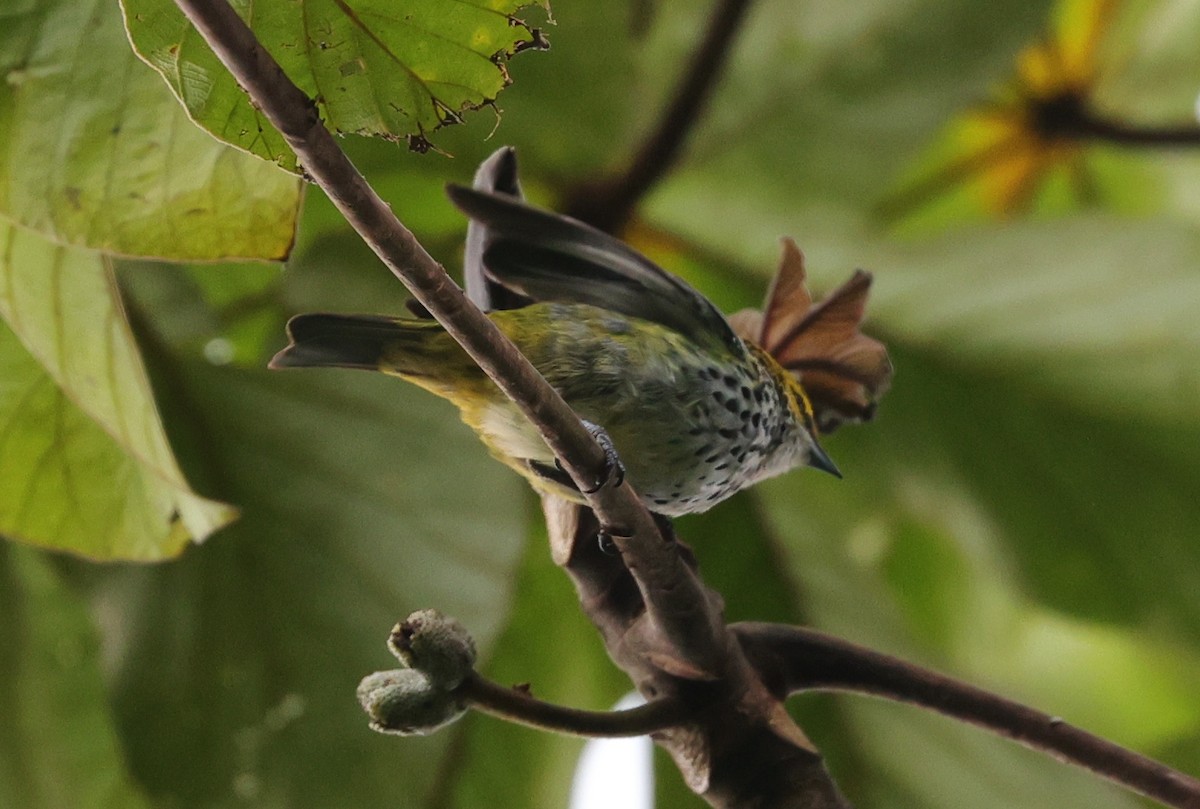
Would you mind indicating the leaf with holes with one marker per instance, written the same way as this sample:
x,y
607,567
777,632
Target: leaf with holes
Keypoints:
x,y
374,67
97,153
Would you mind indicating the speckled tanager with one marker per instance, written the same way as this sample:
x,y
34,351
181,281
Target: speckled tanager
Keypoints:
x,y
697,406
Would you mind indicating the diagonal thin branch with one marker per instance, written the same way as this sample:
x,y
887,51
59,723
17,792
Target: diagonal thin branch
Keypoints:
x,y
669,587
610,203
797,659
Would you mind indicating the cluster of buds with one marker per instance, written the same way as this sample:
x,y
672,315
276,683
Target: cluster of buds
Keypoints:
x,y
438,655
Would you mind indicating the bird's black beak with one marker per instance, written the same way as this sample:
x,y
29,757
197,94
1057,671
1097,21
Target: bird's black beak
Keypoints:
x,y
818,459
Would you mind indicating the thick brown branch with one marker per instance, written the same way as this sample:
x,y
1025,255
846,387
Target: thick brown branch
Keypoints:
x,y
795,659
738,748
609,204
668,586
518,706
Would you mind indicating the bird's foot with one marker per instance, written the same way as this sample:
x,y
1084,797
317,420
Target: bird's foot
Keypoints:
x,y
614,470
665,527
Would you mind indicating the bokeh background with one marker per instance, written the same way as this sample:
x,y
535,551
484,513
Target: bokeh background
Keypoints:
x,y
1023,512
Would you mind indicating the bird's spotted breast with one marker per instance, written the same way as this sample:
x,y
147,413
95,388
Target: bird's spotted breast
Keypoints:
x,y
692,424
729,436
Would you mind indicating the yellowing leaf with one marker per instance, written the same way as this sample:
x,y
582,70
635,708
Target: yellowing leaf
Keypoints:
x,y
86,465
391,68
97,153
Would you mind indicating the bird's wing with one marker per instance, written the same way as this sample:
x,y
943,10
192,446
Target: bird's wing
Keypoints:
x,y
497,174
550,257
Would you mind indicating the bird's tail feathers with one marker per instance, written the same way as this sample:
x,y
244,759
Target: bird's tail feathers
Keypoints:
x,y
321,340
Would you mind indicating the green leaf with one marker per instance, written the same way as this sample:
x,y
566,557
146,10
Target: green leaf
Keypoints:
x,y
58,745
1064,358
1094,507
86,461
364,499
374,67
97,153
1097,312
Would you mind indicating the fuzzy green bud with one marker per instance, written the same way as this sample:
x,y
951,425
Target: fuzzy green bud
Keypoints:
x,y
406,702
435,645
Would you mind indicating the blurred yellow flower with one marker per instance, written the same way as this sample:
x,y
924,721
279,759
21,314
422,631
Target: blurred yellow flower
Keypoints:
x,y
1006,149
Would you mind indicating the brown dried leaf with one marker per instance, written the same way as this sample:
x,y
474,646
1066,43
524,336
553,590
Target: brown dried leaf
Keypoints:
x,y
843,370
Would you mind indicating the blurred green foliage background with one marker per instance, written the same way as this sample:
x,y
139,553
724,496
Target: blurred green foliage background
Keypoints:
x,y
1023,513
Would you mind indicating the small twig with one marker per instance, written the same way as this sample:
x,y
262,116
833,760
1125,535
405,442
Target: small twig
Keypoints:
x,y
518,706
807,660
610,203
1071,116
1110,130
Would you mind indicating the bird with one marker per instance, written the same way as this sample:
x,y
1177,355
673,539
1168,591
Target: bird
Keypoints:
x,y
695,406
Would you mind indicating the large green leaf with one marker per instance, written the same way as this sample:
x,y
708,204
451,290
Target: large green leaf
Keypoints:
x,y
1098,312
363,499
97,153
1061,359
373,67
58,746
86,465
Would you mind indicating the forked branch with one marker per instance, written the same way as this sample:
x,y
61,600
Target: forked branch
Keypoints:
x,y
660,623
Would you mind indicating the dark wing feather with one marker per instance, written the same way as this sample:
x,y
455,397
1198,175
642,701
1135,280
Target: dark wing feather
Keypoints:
x,y
497,174
550,257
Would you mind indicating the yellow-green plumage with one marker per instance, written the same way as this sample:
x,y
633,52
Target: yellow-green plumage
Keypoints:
x,y
692,423
695,412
